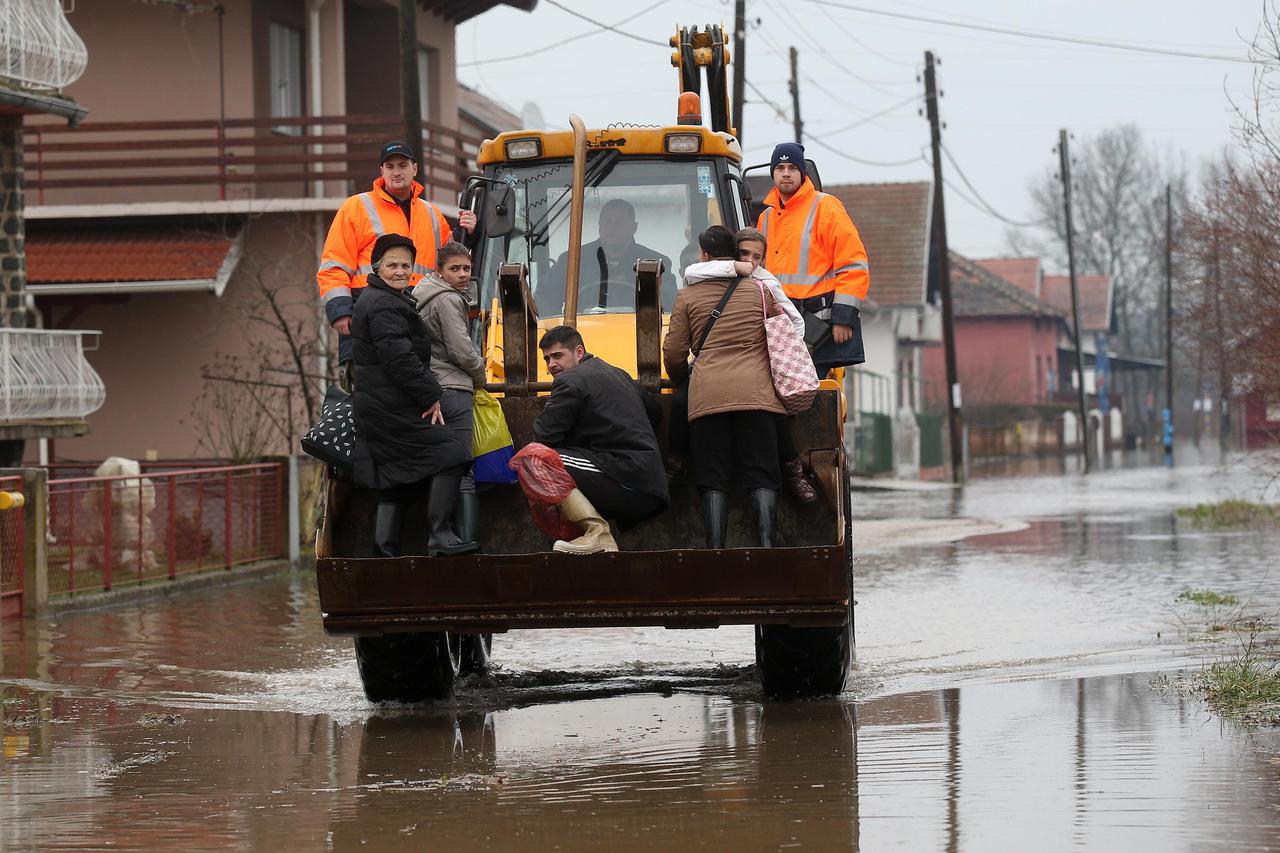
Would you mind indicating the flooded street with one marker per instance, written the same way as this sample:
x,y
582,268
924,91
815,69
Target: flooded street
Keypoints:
x,y
1001,697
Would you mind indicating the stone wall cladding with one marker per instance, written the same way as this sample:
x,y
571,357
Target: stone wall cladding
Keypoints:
x,y
13,264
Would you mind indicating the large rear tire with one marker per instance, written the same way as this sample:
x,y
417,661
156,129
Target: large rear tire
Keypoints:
x,y
408,667
800,663
477,649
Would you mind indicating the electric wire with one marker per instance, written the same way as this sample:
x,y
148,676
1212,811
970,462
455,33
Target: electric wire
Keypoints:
x,y
782,113
868,119
562,42
883,164
613,28
1016,33
868,48
982,203
805,36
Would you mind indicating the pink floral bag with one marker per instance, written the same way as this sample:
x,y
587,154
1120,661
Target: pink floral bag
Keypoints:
x,y
795,380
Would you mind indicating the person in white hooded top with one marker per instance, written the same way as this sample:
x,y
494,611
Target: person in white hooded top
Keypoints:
x,y
751,251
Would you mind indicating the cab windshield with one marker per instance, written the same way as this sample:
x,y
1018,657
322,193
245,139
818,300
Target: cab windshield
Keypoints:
x,y
635,209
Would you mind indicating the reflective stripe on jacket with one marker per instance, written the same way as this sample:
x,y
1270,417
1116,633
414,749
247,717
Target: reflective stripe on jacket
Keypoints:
x,y
362,219
816,253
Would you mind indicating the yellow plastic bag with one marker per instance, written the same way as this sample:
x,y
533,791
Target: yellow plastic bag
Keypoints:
x,y
491,443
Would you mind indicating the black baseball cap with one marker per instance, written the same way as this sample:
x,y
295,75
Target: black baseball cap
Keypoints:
x,y
391,149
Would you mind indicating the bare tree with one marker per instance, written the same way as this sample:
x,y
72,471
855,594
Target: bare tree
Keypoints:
x,y
1119,217
258,401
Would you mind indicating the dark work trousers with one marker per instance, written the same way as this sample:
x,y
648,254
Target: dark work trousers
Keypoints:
x,y
457,406
678,421
614,501
786,442
744,444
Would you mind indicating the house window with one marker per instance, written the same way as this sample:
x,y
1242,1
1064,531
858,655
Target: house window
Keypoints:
x,y
1039,379
286,75
425,61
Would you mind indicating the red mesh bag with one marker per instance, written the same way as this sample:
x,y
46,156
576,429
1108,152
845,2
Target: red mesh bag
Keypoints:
x,y
545,483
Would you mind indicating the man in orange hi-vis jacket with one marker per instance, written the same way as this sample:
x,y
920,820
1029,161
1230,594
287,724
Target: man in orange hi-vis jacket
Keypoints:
x,y
816,254
394,206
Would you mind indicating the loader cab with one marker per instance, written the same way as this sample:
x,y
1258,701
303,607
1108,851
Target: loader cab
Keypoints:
x,y
649,193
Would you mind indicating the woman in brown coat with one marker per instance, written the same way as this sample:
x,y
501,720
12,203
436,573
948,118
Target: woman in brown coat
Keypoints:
x,y
733,409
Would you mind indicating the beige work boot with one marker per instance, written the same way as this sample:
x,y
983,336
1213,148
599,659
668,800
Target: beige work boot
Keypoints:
x,y
596,539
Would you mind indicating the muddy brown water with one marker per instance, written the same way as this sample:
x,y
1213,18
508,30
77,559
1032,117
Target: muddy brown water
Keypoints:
x,y
1001,699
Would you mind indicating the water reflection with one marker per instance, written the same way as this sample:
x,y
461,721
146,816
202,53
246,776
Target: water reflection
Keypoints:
x,y
1095,763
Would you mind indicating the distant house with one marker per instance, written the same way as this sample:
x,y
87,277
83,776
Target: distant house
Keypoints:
x,y
1006,341
898,321
479,115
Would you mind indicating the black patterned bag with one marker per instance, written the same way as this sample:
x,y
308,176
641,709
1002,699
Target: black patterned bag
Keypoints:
x,y
333,439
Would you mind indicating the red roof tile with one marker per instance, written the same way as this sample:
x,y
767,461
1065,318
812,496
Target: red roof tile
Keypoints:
x,y
1023,272
1095,299
150,252
976,291
893,220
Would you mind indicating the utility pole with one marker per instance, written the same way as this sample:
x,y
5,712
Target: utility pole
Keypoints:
x,y
410,94
795,99
955,422
739,63
1168,325
1065,174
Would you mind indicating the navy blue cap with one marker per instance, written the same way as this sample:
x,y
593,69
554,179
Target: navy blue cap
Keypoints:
x,y
391,149
789,152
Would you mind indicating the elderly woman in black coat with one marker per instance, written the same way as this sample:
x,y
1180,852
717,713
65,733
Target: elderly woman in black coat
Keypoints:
x,y
401,441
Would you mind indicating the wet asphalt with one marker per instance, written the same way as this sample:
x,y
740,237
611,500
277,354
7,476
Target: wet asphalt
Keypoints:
x,y
1002,698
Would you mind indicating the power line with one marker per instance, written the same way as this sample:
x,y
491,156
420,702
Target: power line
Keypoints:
x,y
805,36
868,48
878,163
868,119
782,113
1009,31
600,28
982,203
610,27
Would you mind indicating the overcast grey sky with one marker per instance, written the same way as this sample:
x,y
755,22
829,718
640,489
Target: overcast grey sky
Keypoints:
x,y
1004,98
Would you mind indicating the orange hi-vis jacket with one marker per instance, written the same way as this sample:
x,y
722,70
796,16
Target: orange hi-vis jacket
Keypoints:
x,y
345,264
815,253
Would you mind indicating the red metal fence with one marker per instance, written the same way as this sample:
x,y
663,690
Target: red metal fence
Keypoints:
x,y
107,531
13,549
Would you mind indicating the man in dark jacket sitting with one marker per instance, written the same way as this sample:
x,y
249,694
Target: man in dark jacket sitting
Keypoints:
x,y
601,422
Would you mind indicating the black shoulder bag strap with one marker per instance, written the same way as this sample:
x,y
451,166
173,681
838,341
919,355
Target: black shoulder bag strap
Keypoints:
x,y
715,315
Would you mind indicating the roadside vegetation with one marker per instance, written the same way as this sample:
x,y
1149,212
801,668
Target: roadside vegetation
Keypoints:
x,y
1243,684
1232,514
1246,686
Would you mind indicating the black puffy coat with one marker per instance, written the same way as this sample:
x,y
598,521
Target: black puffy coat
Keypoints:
x,y
395,445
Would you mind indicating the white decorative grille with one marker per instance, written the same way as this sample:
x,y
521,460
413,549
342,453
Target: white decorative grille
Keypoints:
x,y
44,374
38,48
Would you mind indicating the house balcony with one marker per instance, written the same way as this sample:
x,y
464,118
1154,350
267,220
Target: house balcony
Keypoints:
x,y
250,163
47,386
39,50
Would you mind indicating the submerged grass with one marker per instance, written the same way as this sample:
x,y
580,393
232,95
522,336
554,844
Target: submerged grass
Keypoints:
x,y
1207,598
1248,684
1232,513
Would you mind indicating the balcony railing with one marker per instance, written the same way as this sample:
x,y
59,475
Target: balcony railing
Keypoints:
x,y
275,157
45,375
38,48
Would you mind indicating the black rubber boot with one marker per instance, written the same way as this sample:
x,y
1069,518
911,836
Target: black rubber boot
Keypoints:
x,y
764,506
466,518
715,517
386,529
442,497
